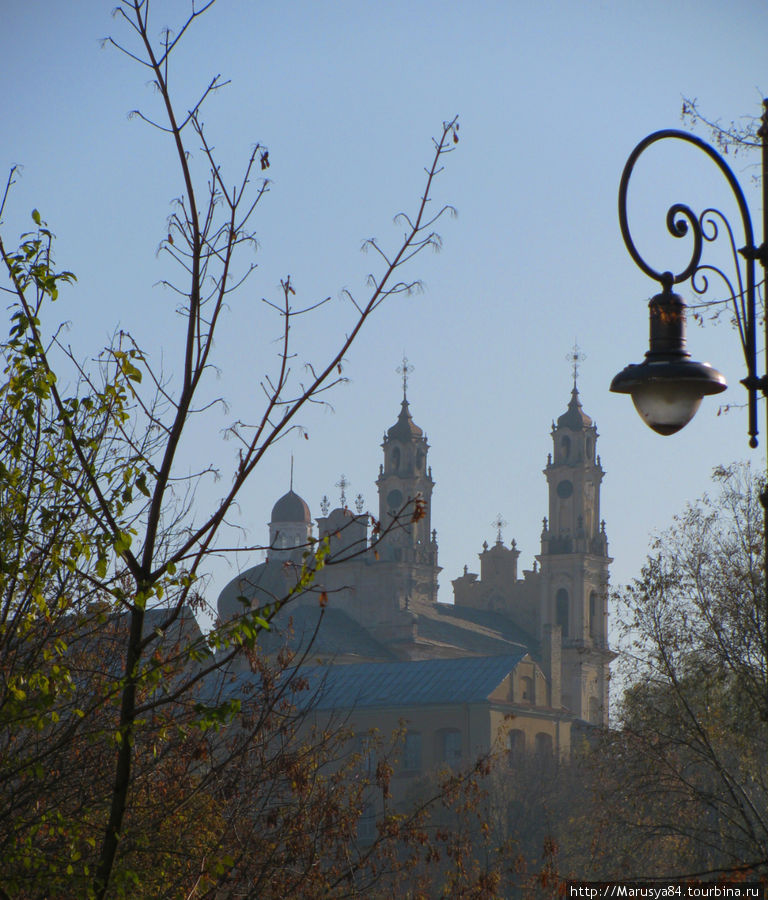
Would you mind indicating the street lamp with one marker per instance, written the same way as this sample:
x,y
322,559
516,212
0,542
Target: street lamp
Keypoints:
x,y
668,386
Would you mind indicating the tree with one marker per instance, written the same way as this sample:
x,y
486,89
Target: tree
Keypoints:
x,y
734,137
685,775
103,546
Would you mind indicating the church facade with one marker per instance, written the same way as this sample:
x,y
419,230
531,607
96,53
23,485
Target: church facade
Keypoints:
x,y
517,659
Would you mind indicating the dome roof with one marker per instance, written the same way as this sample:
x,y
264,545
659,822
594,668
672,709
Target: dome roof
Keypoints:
x,y
342,513
405,429
258,586
291,508
574,417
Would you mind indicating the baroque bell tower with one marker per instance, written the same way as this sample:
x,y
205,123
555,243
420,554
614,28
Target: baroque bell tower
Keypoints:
x,y
405,494
574,562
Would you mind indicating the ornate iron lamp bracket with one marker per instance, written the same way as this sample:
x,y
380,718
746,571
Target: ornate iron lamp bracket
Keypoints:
x,y
680,220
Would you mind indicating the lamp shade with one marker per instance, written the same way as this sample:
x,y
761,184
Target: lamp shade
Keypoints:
x,y
667,393
667,388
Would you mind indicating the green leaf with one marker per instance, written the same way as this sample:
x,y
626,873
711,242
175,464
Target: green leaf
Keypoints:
x,y
36,217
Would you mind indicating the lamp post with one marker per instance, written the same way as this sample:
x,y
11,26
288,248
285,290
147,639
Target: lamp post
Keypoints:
x,y
667,387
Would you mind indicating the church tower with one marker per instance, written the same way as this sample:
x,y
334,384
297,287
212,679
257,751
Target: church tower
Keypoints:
x,y
574,564
405,492
290,527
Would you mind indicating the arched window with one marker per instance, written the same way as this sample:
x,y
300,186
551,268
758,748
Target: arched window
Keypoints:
x,y
396,459
515,744
566,446
561,610
419,460
592,614
544,744
526,689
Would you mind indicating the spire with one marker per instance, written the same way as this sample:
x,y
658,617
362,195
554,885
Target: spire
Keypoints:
x,y
405,370
405,429
575,357
575,418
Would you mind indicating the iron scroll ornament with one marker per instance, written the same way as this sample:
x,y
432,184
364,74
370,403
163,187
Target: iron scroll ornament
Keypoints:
x,y
681,219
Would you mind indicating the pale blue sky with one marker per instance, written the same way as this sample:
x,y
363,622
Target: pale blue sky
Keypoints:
x,y
552,97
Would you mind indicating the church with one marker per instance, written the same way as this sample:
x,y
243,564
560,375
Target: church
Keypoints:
x,y
517,660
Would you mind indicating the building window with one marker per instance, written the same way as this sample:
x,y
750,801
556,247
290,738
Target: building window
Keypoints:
x,y
544,745
565,489
515,744
412,752
561,610
526,685
394,501
592,613
452,747
396,459
366,825
594,711
566,445
367,757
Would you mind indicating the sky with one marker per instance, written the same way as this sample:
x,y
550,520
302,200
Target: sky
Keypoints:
x,y
552,97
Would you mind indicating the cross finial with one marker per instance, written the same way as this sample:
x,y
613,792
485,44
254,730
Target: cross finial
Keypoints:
x,y
405,370
343,484
575,357
499,523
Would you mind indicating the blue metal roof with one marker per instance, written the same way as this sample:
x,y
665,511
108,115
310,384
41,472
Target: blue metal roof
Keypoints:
x,y
337,634
412,683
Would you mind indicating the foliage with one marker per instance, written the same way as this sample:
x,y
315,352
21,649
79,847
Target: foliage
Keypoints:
x,y
685,778
123,769
733,137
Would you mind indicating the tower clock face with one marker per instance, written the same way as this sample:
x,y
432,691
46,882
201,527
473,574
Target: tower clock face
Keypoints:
x,y
394,500
565,489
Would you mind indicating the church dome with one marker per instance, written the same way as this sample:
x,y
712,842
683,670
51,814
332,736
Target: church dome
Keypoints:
x,y
405,429
574,417
259,586
291,508
341,513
